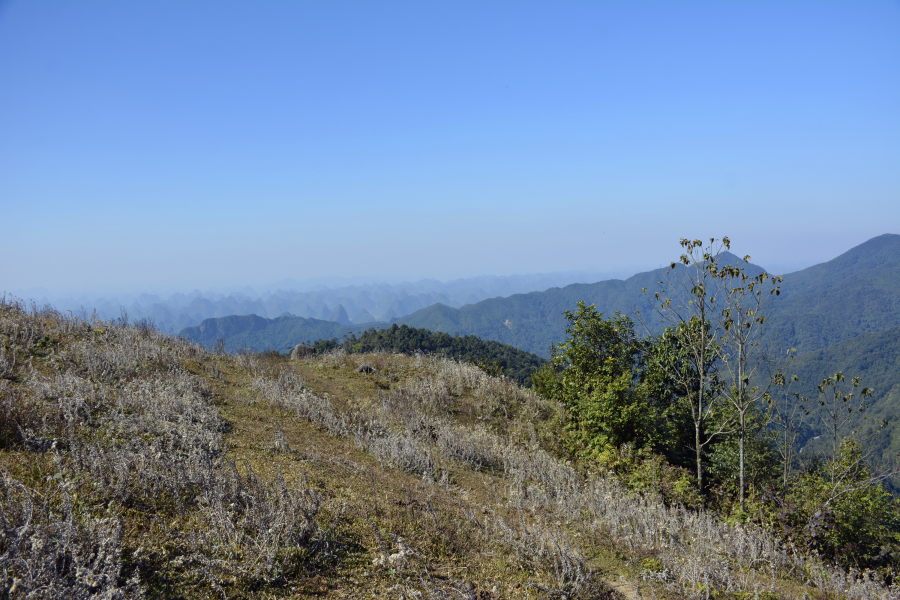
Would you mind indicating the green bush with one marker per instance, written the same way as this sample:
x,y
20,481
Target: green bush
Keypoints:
x,y
650,473
841,511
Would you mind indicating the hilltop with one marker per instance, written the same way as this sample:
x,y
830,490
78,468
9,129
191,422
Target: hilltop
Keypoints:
x,y
136,464
493,356
252,333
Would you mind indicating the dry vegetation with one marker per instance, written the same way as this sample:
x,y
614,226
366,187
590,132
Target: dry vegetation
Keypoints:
x,y
135,464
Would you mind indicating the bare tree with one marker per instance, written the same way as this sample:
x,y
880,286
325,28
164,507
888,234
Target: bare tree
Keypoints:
x,y
839,407
786,414
688,303
746,302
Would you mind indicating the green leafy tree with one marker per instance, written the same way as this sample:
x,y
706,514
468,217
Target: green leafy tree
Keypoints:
x,y
673,371
748,461
600,374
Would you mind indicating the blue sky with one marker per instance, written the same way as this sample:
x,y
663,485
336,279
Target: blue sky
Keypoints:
x,y
186,144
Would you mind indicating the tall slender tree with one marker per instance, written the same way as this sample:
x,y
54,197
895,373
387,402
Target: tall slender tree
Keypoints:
x,y
688,302
742,349
787,413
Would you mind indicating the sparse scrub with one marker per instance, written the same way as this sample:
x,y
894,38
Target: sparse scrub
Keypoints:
x,y
256,530
49,552
547,547
697,550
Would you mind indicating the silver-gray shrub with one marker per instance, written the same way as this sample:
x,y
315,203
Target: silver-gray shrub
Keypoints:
x,y
545,546
7,362
123,352
50,553
288,392
403,451
254,529
406,428
122,409
148,436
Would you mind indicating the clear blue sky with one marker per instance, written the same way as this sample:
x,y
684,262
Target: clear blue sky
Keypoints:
x,y
188,144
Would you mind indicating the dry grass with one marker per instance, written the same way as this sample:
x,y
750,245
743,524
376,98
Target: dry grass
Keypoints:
x,y
135,464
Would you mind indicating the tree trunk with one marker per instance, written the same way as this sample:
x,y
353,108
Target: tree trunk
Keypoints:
x,y
699,457
743,431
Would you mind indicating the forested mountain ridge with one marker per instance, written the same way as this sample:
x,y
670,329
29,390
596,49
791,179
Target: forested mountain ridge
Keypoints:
x,y
877,254
855,293
534,321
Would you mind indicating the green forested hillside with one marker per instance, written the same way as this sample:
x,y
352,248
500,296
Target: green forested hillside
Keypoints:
x,y
875,358
856,293
845,304
876,254
516,364
533,322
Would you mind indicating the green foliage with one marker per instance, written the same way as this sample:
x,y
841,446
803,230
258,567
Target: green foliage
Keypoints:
x,y
760,456
650,473
323,346
545,381
600,375
840,510
494,369
493,357
676,361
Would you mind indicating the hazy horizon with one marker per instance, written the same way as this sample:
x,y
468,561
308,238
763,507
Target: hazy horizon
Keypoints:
x,y
362,281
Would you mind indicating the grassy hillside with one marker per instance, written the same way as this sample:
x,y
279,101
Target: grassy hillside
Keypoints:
x,y
134,464
856,293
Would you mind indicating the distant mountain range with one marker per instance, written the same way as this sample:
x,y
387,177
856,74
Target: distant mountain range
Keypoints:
x,y
348,304
842,315
856,293
259,334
